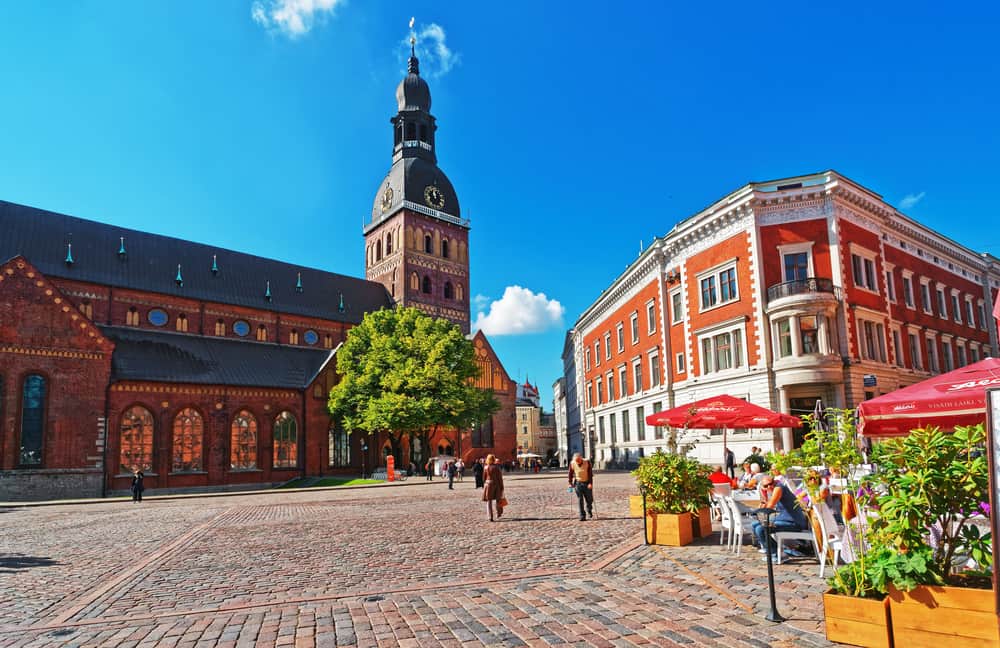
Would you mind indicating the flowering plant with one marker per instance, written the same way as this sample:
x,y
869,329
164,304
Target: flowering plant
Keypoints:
x,y
673,483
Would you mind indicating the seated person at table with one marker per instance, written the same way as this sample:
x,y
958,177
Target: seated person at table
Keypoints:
x,y
788,514
718,477
745,477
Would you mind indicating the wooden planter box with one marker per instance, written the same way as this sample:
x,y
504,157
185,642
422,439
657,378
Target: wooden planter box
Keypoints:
x,y
940,616
701,523
635,506
858,621
669,529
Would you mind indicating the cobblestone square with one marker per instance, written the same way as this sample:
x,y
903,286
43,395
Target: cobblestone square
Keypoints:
x,y
413,564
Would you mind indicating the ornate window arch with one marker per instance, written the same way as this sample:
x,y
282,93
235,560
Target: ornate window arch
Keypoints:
x,y
378,251
189,436
220,327
136,440
34,392
444,248
286,441
262,333
459,292
449,290
182,323
428,244
388,243
427,288
414,281
243,441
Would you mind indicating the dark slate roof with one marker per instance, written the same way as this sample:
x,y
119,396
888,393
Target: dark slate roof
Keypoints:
x,y
151,260
408,177
178,358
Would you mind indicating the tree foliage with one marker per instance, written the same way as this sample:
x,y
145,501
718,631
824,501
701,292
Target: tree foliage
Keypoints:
x,y
405,372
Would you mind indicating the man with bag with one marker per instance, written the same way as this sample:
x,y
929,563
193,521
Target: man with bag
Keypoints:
x,y
581,477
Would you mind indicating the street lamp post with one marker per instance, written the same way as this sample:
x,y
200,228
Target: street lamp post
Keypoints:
x,y
364,451
645,520
765,517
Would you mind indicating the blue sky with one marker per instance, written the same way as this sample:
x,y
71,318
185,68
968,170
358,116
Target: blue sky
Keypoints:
x,y
571,130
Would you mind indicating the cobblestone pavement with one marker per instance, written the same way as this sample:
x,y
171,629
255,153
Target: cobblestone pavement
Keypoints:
x,y
411,566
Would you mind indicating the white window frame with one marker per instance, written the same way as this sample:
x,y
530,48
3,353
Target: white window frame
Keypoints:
x,y
890,282
930,348
869,280
676,315
597,352
947,355
982,314
620,332
970,313
878,352
916,352
586,359
611,386
778,337
897,346
715,273
655,377
637,379
600,391
623,381
796,248
962,354
680,363
587,394
942,300
928,305
633,322
607,346
708,365
908,281
651,316
956,306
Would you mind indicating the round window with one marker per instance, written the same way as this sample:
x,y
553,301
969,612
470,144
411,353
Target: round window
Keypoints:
x,y
310,337
157,317
241,328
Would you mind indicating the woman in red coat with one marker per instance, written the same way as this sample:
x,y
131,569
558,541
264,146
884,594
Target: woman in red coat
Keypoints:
x,y
493,485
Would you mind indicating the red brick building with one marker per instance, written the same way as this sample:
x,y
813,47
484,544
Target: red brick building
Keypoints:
x,y
210,368
781,293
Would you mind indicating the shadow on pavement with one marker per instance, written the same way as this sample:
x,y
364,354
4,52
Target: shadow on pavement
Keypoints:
x,y
12,563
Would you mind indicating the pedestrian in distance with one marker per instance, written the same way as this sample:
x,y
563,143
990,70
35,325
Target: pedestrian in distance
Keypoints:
x,y
581,478
429,470
459,469
137,486
452,471
477,472
493,486
730,462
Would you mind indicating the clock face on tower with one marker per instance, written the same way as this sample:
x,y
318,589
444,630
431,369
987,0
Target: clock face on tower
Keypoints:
x,y
433,197
387,199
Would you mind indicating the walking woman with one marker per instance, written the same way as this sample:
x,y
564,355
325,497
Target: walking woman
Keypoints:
x,y
137,486
492,485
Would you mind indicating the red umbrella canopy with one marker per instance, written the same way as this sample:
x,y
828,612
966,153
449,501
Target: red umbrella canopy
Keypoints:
x,y
954,398
722,412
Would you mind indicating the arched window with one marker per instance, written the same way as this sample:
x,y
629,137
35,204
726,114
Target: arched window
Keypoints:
x,y
188,436
286,441
388,244
243,442
427,285
378,250
87,309
428,244
328,341
33,396
182,322
220,327
293,337
459,292
340,448
449,291
414,281
136,440
132,317
262,333
444,248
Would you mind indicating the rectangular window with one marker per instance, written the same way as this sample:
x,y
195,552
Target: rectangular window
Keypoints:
x,y
863,269
797,266
597,353
809,334
600,396
897,349
586,359
708,294
931,356
961,356
607,346
982,316
880,341
925,298
637,377
654,369
621,337
784,337
915,359
614,432
727,285
970,319
946,356
890,286
611,387
956,310
942,308
908,291
873,341
623,381
651,317
657,407
589,395
974,354
640,423
722,351
680,363
626,435
676,307
720,287
600,429
634,322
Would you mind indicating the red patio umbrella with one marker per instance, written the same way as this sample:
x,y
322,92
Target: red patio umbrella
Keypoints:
x,y
954,398
722,412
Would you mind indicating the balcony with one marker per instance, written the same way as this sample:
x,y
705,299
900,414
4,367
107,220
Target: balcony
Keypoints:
x,y
807,286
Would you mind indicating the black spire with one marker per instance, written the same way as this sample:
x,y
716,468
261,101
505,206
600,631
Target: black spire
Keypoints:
x,y
413,66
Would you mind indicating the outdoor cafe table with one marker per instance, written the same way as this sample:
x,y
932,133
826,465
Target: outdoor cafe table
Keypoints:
x,y
747,500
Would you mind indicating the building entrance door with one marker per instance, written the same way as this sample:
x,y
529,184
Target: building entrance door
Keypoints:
x,y
798,407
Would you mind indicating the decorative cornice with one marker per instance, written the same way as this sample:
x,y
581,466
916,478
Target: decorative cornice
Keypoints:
x,y
191,390
51,352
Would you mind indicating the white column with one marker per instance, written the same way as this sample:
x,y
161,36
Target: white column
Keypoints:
x,y
787,441
796,333
824,335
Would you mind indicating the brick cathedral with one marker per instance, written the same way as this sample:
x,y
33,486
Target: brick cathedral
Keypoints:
x,y
209,368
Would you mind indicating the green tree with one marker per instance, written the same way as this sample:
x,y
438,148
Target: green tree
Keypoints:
x,y
403,372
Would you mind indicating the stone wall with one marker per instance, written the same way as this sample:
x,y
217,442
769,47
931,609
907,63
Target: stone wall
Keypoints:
x,y
29,485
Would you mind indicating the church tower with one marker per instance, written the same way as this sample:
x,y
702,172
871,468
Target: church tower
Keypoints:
x,y
417,244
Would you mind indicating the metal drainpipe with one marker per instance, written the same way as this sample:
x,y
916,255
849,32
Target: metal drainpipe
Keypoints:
x,y
107,438
302,443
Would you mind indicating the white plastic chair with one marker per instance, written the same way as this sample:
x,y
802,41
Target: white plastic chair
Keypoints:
x,y
832,540
727,519
741,524
780,537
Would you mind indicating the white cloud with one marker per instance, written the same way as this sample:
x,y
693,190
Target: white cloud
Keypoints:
x,y
909,200
436,58
519,311
293,18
